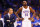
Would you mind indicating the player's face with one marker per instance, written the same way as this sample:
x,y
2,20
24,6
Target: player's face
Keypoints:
x,y
11,11
24,3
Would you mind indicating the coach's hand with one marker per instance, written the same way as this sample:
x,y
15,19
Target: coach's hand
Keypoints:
x,y
8,20
11,23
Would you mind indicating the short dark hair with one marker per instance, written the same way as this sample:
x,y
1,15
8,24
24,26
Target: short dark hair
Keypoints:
x,y
9,9
24,0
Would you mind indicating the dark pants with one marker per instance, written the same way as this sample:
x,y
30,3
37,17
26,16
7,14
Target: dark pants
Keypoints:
x,y
11,25
1,23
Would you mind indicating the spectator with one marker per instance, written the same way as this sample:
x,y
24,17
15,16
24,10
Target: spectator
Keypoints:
x,y
5,12
18,23
37,22
39,15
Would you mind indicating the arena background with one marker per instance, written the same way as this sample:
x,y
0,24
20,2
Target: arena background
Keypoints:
x,y
16,4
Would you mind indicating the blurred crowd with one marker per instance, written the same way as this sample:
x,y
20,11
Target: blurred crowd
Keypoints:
x,y
15,4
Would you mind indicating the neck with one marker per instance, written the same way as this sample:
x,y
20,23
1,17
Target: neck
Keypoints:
x,y
25,6
9,13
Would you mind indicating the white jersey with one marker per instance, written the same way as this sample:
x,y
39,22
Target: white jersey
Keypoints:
x,y
25,12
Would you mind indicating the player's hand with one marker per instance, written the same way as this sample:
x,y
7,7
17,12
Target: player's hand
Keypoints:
x,y
8,20
29,18
21,18
32,19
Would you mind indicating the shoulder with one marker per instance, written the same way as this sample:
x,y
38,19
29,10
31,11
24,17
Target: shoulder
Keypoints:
x,y
30,7
20,8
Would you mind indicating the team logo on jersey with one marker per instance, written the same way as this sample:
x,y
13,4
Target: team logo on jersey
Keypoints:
x,y
25,11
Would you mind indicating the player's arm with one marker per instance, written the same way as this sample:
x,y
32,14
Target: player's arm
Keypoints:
x,y
18,12
20,9
33,11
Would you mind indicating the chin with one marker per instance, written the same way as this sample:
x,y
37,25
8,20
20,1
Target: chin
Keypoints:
x,y
25,5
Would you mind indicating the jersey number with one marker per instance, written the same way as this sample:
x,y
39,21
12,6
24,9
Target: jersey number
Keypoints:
x,y
26,14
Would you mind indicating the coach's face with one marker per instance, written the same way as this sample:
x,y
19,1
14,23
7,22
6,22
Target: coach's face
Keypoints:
x,y
11,11
24,3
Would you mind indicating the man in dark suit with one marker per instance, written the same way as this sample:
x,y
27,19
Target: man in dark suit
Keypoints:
x,y
9,19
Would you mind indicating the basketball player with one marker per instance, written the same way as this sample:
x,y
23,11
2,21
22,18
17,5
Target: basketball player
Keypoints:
x,y
25,12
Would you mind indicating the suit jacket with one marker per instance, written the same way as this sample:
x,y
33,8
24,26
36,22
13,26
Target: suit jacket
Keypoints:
x,y
12,19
